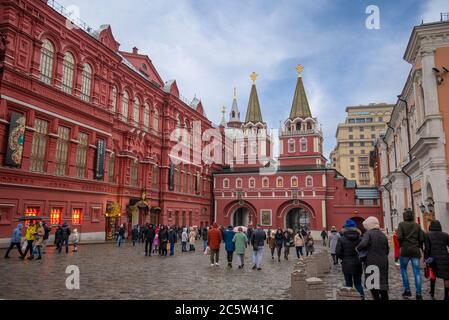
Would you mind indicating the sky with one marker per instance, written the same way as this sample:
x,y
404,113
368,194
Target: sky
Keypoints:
x,y
210,47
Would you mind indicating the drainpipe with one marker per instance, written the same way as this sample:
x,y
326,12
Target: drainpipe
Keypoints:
x,y
408,152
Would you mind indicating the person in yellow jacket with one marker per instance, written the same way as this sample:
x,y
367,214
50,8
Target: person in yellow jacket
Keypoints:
x,y
30,237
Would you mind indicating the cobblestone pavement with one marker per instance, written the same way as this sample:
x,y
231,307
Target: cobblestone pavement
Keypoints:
x,y
108,272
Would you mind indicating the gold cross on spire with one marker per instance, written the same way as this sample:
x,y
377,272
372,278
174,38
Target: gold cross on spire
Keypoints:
x,y
253,77
300,69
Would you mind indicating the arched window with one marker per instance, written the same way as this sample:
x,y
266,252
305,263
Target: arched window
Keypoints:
x,y
86,80
291,145
252,183
298,126
294,182
136,111
125,104
47,61
178,122
279,182
114,99
156,120
309,181
238,183
265,182
68,67
226,183
303,145
146,116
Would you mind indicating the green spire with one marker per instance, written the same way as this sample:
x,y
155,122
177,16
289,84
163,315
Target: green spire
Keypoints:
x,y
300,106
253,114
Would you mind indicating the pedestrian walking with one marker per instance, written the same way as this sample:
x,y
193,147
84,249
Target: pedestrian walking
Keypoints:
x,y
396,247
374,250
279,242
135,235
192,239
288,242
249,232
272,242
149,235
172,239
16,239
310,244
333,240
184,239
163,240
30,237
411,240
324,237
241,242
39,239
121,235
299,244
204,236
214,239
228,237
65,237
437,256
258,238
156,244
58,238
47,231
345,250
76,239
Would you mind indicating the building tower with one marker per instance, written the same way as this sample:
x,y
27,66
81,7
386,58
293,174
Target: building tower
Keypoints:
x,y
234,115
300,138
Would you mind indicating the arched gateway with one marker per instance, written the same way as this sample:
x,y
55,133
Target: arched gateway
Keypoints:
x,y
297,219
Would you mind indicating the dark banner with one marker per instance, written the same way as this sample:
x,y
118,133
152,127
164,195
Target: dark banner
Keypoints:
x,y
16,140
171,177
101,151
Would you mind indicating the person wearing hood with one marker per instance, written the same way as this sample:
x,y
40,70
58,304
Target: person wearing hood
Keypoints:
x,y
333,240
241,243
279,242
214,239
172,239
345,250
184,239
374,246
228,236
437,256
76,240
16,238
411,240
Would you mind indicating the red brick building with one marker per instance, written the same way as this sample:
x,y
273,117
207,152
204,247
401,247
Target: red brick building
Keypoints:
x,y
301,191
85,130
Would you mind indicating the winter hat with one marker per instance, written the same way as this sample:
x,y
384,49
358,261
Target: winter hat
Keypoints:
x,y
350,224
371,223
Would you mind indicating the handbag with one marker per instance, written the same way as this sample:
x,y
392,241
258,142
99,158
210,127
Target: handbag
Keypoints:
x,y
429,273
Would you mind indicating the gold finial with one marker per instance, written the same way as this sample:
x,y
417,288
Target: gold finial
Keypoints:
x,y
235,93
254,77
300,69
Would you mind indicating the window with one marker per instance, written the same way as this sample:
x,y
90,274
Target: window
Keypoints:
x,y
136,111
125,104
68,67
114,99
111,168
351,160
294,182
350,129
352,175
134,167
364,175
369,120
86,82
154,177
56,216
77,216
352,167
279,182
351,120
362,151
303,145
156,120
265,183
373,128
146,117
309,181
362,129
351,151
351,137
362,136
351,144
238,183
362,144
363,159
62,151
252,183
81,155
47,59
381,119
39,146
291,145
360,120
373,136
226,183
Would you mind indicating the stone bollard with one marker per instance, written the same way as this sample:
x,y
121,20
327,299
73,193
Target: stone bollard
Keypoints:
x,y
346,293
327,265
315,289
300,265
311,266
298,285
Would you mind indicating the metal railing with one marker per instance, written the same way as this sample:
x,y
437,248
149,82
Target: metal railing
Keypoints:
x,y
444,16
69,14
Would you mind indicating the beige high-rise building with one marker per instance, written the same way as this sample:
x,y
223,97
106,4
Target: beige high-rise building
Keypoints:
x,y
356,138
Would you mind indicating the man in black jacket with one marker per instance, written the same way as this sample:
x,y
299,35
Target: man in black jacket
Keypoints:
x,y
258,238
149,234
65,237
172,239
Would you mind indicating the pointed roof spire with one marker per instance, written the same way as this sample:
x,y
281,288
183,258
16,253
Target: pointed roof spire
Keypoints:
x,y
300,105
253,114
223,120
234,116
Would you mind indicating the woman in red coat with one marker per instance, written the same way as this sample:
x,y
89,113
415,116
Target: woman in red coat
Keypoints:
x,y
214,239
396,247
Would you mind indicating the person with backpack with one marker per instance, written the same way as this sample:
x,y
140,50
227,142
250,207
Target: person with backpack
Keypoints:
x,y
228,237
258,238
437,256
65,237
411,240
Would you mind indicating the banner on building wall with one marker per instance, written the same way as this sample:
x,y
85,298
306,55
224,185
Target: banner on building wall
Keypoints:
x,y
16,140
101,152
171,177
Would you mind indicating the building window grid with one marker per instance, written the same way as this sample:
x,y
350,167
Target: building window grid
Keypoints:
x,y
39,146
125,103
47,60
114,99
134,169
146,117
68,67
136,111
62,151
111,168
86,82
81,155
155,177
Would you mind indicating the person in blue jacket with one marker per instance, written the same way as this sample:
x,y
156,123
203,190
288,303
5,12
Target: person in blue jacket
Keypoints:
x,y
228,236
15,241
